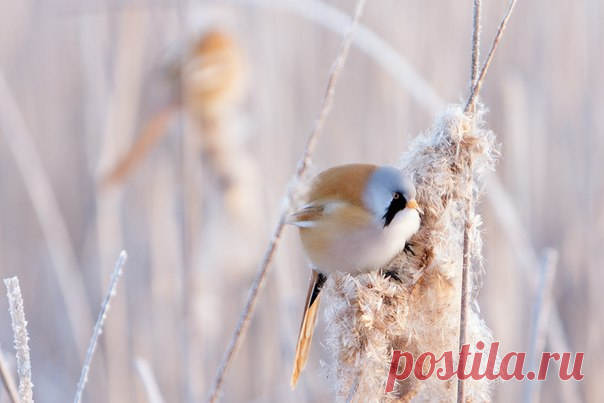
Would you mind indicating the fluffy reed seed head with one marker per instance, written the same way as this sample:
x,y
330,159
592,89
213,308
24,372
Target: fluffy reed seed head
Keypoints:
x,y
369,316
214,75
214,79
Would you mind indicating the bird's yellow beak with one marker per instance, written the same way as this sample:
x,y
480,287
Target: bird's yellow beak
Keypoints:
x,y
413,204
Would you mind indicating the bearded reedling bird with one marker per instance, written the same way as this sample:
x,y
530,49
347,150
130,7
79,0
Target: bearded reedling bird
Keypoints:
x,y
358,217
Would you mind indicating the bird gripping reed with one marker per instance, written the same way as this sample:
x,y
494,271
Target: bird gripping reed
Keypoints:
x,y
369,316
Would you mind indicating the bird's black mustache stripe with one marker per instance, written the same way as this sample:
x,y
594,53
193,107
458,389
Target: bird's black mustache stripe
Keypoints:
x,y
396,205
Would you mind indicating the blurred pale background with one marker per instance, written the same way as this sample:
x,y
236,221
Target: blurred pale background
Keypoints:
x,y
87,76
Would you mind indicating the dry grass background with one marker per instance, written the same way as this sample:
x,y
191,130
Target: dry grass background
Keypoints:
x,y
87,76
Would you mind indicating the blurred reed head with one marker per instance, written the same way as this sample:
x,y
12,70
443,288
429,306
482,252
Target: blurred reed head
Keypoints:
x,y
214,75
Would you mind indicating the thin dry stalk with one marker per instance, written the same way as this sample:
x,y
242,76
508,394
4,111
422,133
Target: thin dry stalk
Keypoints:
x,y
7,379
463,314
467,256
17,314
46,207
485,66
143,369
303,165
475,43
98,326
540,320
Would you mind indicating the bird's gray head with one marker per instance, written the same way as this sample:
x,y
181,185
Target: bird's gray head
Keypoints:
x,y
389,191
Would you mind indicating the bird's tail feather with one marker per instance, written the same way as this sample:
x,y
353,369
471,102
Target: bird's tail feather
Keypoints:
x,y
309,320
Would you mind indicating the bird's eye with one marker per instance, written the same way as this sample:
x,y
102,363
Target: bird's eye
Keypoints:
x,y
396,195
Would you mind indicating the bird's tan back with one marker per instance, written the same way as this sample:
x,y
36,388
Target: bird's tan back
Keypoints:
x,y
341,183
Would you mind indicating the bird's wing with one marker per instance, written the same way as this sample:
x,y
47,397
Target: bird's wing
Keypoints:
x,y
307,328
307,215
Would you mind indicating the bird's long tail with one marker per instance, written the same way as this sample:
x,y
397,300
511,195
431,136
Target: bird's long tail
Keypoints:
x,y
309,320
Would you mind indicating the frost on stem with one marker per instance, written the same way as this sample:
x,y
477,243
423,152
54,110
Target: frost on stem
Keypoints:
x,y
17,313
369,316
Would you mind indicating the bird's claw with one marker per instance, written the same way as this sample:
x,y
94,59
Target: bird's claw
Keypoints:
x,y
393,274
408,249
